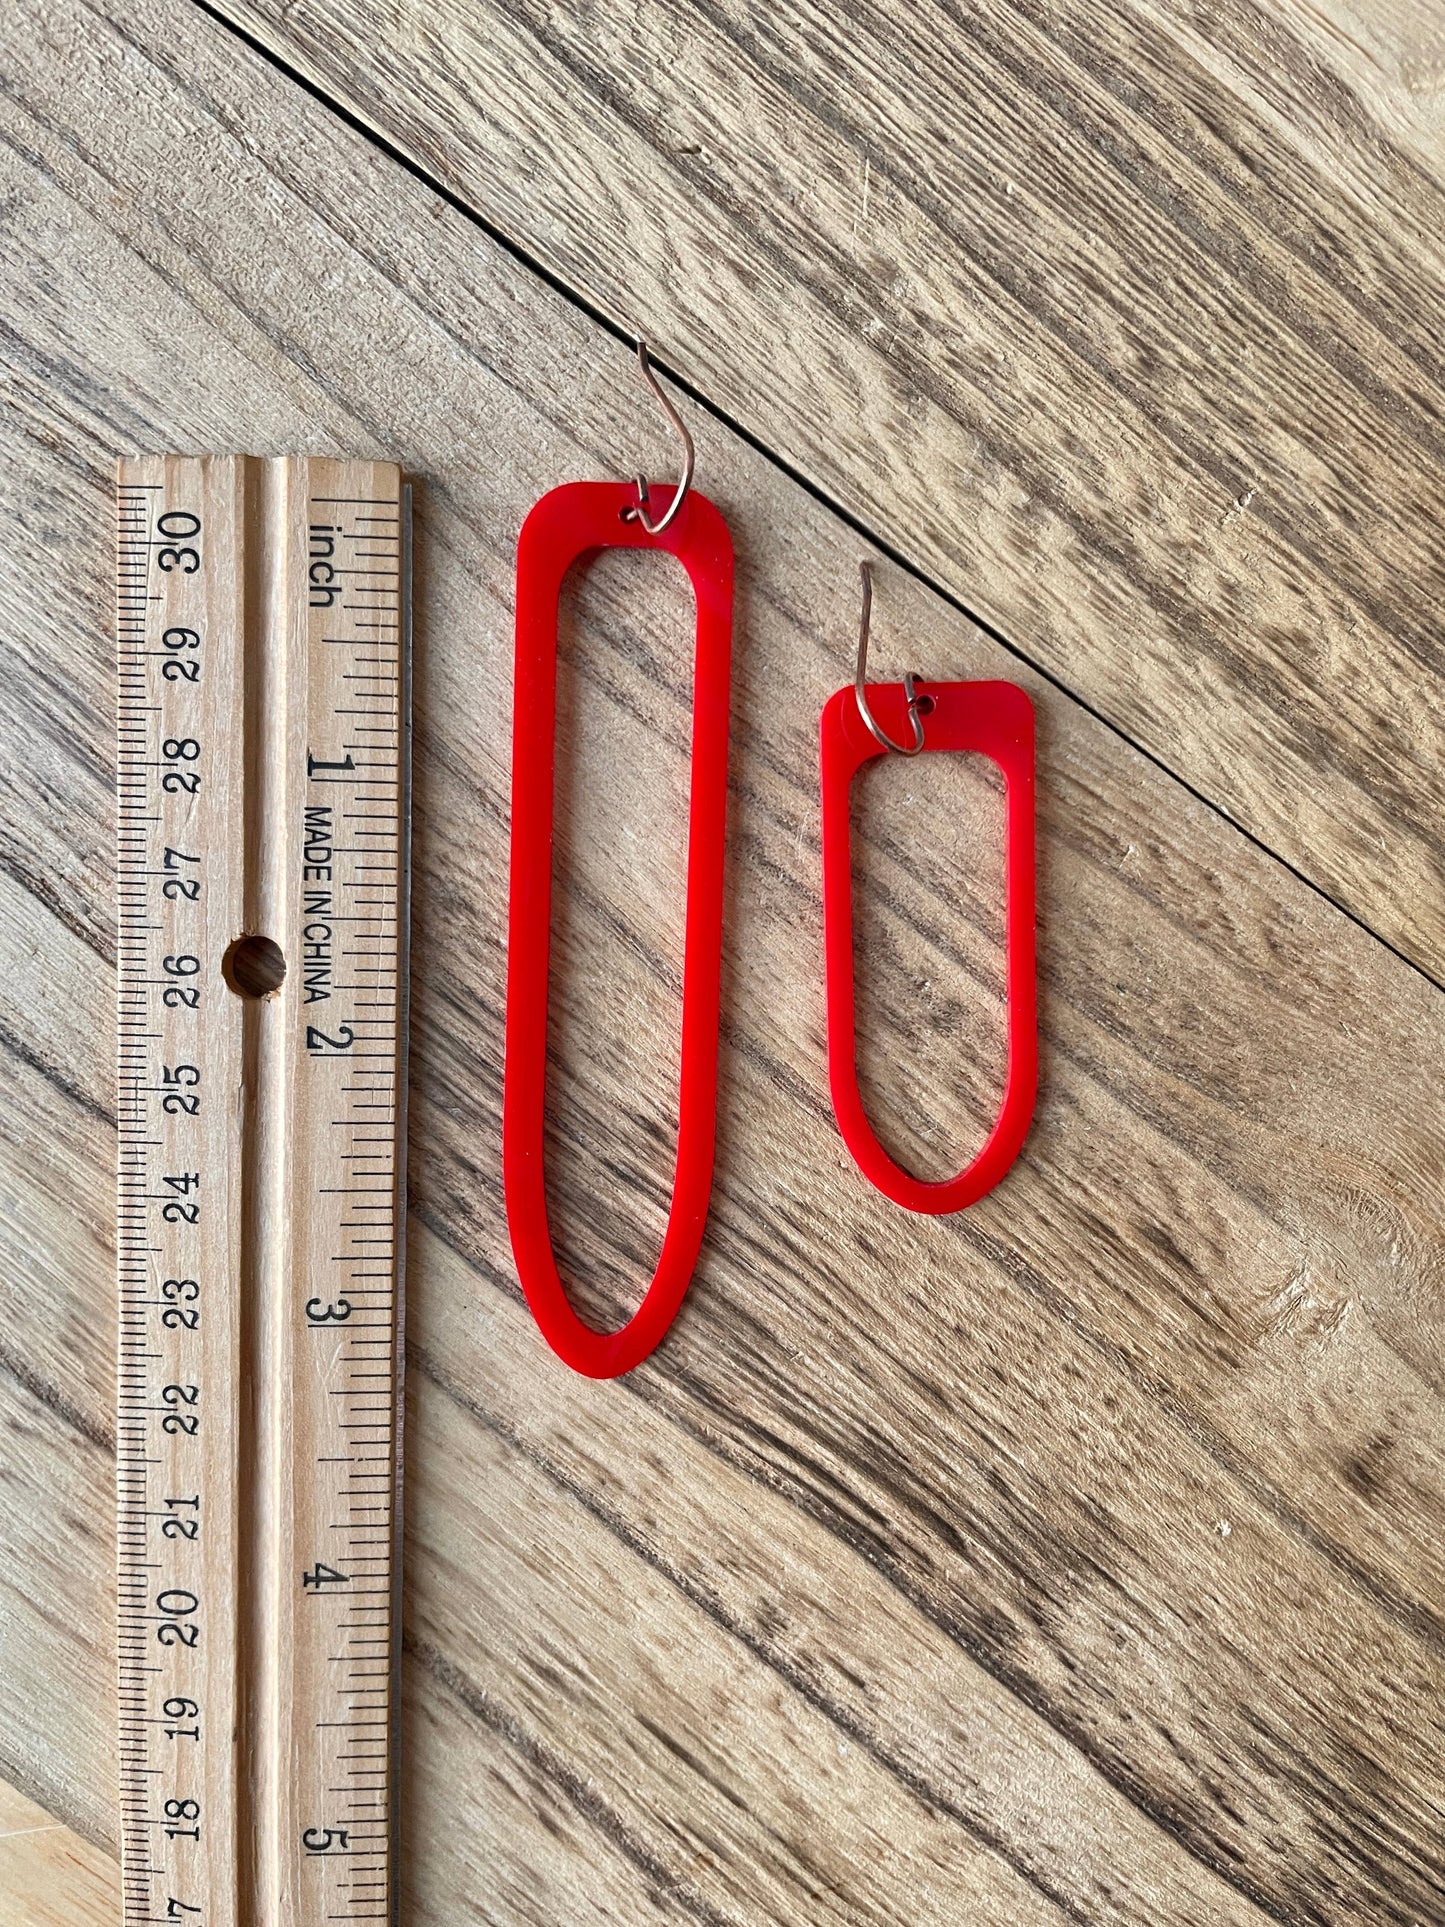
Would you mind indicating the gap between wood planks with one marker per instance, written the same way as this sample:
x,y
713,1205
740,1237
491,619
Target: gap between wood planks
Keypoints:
x,y
1222,839
49,1871
526,259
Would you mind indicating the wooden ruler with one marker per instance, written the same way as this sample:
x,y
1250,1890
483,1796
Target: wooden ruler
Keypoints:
x,y
263,813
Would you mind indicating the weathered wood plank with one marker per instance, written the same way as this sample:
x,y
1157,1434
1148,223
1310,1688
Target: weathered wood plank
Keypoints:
x,y
1118,319
951,1496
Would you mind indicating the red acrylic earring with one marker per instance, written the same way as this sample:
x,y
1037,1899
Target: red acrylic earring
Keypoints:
x,y
874,719
570,522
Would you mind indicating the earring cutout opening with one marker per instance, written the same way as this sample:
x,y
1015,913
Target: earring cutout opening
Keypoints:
x,y
995,719
565,525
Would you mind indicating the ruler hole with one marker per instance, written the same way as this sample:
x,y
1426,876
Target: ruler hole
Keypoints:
x,y
254,966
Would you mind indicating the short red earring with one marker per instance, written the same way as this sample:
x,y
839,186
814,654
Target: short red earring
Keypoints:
x,y
566,524
874,719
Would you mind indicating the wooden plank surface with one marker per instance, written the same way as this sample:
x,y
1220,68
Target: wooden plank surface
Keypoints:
x,y
1076,1559
1120,319
49,1874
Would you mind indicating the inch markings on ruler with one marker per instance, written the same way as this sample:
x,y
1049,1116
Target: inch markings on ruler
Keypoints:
x,y
263,728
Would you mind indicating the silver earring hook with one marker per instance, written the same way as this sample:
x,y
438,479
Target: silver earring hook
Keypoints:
x,y
915,703
638,512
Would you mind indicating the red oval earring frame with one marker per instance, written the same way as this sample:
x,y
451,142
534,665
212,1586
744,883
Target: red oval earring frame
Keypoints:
x,y
997,720
565,525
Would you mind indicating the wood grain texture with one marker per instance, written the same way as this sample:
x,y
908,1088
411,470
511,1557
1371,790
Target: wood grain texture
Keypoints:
x,y
1119,319
1075,1560
49,1876
261,792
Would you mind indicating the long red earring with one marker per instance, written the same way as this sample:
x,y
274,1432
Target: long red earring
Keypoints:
x,y
565,525
868,720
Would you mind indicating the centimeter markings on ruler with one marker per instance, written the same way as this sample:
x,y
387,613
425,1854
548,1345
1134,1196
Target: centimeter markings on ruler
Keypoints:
x,y
263,612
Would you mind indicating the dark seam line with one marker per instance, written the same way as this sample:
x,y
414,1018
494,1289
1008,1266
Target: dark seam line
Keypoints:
x,y
597,80
207,105
602,320
836,1715
834,509
1054,322
1409,1614
843,515
17,1772
1316,747
730,1238
1017,1687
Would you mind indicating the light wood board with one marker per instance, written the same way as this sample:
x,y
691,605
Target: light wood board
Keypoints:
x,y
262,651
49,1874
1076,1559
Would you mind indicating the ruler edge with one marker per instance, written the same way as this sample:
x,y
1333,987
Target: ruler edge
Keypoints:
x,y
402,1113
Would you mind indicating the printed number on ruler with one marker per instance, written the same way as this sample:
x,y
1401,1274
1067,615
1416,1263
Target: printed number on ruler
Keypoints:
x,y
262,824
